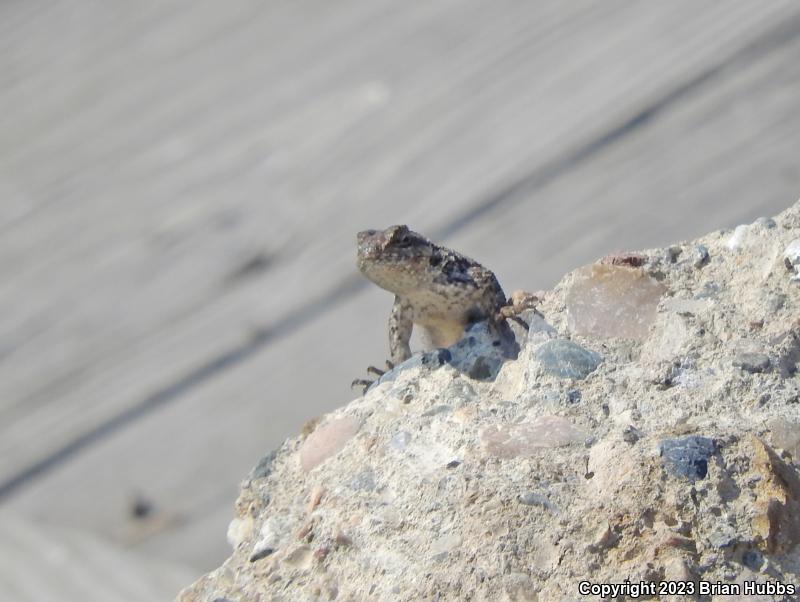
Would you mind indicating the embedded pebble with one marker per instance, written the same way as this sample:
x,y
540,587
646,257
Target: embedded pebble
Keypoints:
x,y
611,466
602,537
460,390
670,339
363,481
787,348
531,498
709,290
238,530
775,302
672,253
525,439
687,307
264,466
612,301
791,258
633,260
425,360
400,440
273,532
567,359
723,535
753,559
786,436
631,434
539,330
315,498
752,362
675,569
688,456
737,238
775,514
326,441
699,256
479,355
429,360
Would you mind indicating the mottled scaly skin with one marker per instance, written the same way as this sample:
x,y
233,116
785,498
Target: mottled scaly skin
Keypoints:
x,y
435,288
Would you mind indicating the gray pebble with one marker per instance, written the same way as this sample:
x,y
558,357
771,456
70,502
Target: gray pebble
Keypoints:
x,y
699,256
567,359
775,302
539,330
752,362
672,253
791,258
765,222
631,434
531,498
460,390
264,467
709,291
722,536
479,354
401,440
363,481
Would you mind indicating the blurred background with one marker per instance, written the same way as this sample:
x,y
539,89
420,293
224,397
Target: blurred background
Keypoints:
x,y
180,187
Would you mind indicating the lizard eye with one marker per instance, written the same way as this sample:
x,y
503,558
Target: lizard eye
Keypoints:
x,y
404,241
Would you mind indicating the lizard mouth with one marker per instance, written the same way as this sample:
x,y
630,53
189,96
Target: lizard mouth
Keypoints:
x,y
370,245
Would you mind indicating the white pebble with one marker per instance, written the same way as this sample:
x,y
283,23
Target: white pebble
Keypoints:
x,y
737,238
238,530
791,257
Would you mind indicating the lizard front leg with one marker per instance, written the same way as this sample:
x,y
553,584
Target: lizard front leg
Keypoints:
x,y
400,327
519,302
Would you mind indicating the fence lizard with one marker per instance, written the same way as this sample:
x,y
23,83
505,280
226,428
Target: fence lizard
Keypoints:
x,y
437,289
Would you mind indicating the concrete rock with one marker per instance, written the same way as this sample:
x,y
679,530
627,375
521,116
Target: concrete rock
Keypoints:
x,y
456,477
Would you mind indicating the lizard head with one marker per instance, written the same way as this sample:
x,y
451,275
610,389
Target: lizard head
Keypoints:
x,y
396,258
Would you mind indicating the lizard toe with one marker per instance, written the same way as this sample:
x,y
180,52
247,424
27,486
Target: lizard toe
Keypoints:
x,y
361,382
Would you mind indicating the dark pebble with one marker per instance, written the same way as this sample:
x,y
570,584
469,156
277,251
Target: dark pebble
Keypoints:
x,y
753,559
264,467
631,434
687,456
261,554
574,396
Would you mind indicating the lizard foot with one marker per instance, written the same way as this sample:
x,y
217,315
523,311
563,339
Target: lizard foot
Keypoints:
x,y
519,302
361,382
377,371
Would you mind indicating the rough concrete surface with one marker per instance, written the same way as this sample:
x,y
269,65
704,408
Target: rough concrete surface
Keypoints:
x,y
663,451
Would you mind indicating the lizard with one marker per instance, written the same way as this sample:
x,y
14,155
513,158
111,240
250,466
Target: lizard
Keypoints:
x,y
437,289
